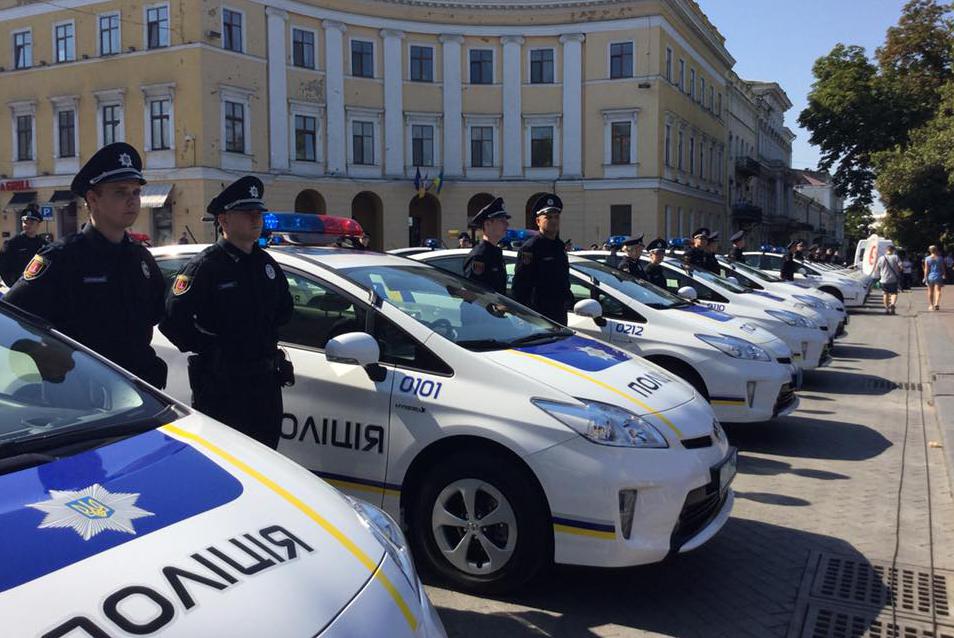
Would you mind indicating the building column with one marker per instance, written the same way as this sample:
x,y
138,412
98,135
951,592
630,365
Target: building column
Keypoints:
x,y
572,104
453,116
277,90
335,132
393,103
512,124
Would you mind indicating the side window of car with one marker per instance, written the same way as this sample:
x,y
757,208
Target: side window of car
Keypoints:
x,y
320,313
675,281
450,264
612,308
398,348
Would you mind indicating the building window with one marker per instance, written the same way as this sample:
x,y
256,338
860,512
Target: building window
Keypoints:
x,y
702,159
362,59
159,125
669,220
481,66
541,146
482,146
679,151
682,75
65,42
541,66
303,48
621,60
24,138
305,138
422,64
111,123
621,133
692,155
22,50
692,83
157,27
66,123
668,145
711,98
231,30
109,34
422,145
234,127
719,105
668,64
712,155
621,219
362,139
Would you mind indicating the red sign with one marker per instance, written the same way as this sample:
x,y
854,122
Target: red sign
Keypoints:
x,y
15,185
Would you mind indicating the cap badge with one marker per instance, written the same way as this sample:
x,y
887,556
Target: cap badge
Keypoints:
x,y
253,192
549,202
125,160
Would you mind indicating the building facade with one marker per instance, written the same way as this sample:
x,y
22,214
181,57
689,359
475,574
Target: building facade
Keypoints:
x,y
619,107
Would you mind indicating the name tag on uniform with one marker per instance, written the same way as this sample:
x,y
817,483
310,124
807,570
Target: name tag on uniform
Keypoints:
x,y
101,279
228,284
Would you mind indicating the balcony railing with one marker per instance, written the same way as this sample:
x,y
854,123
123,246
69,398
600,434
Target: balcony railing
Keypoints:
x,y
746,212
748,166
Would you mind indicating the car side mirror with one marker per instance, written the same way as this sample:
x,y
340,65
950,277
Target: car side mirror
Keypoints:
x,y
354,348
733,280
802,271
590,308
688,293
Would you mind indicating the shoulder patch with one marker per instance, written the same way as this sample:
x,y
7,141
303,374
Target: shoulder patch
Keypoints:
x,y
181,285
35,269
478,267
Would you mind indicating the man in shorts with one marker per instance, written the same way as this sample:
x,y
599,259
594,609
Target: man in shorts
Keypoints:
x,y
888,268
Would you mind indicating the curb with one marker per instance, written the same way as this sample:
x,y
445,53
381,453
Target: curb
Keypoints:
x,y
939,391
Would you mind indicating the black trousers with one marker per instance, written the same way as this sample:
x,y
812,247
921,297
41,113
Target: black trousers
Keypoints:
x,y
250,404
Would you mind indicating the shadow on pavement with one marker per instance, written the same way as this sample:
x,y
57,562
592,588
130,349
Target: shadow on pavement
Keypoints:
x,y
839,382
744,582
769,467
768,498
805,437
862,352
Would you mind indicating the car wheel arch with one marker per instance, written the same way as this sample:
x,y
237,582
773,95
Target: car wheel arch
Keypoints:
x,y
683,370
834,292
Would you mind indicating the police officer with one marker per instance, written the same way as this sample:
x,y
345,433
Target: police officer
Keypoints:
x,y
633,249
542,277
464,240
789,266
98,285
712,246
18,251
485,262
226,305
738,246
655,273
696,256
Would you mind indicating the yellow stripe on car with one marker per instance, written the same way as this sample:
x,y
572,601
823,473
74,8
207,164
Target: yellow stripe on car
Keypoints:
x,y
308,511
350,485
727,402
605,386
579,531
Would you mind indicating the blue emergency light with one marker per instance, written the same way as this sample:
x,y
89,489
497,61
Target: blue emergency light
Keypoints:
x,y
307,228
615,241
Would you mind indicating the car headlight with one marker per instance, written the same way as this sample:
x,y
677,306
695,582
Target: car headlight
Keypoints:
x,y
735,347
604,424
791,318
386,530
811,302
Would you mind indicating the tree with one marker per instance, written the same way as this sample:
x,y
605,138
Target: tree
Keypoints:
x,y
858,221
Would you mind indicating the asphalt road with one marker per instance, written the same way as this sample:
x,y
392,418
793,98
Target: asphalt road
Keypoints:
x,y
843,524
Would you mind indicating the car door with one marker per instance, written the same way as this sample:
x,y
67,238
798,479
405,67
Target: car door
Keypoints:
x,y
336,420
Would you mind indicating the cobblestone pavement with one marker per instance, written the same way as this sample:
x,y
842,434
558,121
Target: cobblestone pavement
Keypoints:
x,y
850,473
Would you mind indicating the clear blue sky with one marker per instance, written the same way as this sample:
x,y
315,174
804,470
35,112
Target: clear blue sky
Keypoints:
x,y
777,40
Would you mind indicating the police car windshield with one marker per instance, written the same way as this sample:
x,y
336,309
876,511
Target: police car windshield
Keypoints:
x,y
755,273
708,277
642,291
464,312
49,388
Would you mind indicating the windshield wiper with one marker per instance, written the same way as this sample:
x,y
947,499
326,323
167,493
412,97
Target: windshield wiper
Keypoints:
x,y
483,344
541,337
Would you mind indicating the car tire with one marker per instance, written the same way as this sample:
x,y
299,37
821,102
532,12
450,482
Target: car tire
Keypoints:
x,y
496,490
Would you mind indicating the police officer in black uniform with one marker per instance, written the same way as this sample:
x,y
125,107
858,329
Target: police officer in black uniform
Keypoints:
x,y
738,246
789,265
655,273
542,277
485,263
633,249
226,305
98,285
696,256
18,251
712,246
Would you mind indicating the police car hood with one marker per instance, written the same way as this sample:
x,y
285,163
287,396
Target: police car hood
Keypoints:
x,y
587,369
190,527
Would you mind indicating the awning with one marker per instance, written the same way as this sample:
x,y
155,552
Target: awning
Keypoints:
x,y
62,196
155,195
21,200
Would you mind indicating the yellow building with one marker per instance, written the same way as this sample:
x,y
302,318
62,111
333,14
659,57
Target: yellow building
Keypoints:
x,y
618,107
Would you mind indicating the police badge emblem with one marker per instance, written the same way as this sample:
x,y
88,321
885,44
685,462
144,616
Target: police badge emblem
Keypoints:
x,y
181,285
91,510
37,266
269,271
478,267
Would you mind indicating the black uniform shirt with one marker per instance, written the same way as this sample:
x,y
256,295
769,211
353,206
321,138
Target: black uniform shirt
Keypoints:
x,y
788,267
230,301
711,264
656,274
542,277
485,265
736,254
17,253
696,257
633,267
106,296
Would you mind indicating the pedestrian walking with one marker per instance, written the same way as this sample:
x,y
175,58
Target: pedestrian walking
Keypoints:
x,y
935,270
183,239
542,277
226,306
19,250
485,262
906,270
632,251
99,286
948,255
888,268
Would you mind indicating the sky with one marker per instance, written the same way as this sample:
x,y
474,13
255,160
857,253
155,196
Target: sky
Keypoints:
x,y
779,40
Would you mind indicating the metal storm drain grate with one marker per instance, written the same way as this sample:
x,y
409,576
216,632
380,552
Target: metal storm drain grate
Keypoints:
x,y
847,596
884,384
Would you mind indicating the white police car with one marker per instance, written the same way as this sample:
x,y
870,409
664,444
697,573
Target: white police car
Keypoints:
x,y
503,441
126,513
745,372
851,291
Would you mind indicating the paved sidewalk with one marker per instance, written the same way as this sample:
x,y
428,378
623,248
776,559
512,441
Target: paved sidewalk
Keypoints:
x,y
936,333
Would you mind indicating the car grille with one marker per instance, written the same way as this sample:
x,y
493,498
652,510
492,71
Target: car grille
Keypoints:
x,y
785,360
698,442
786,397
701,506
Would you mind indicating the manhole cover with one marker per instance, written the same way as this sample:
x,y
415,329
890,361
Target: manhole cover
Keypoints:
x,y
834,621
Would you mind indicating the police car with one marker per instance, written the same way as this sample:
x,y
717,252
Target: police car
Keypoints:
x,y
503,441
809,343
745,372
125,513
851,291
